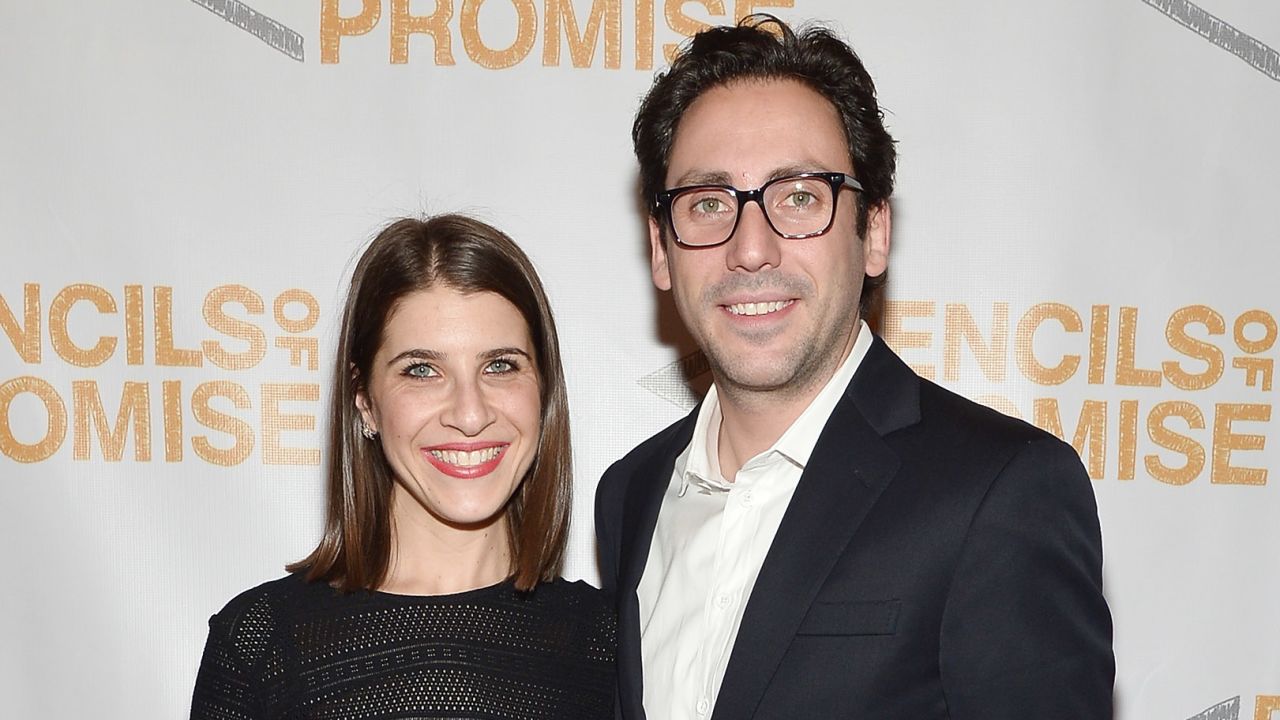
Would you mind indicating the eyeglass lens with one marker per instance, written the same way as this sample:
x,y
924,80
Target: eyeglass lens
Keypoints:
x,y
793,206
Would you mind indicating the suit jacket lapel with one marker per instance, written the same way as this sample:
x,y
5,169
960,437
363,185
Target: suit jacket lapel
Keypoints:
x,y
640,517
849,467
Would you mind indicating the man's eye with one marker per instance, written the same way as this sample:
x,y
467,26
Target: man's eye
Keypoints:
x,y
709,206
420,370
799,199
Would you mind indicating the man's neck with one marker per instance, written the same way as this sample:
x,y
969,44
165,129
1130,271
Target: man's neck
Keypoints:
x,y
750,424
753,420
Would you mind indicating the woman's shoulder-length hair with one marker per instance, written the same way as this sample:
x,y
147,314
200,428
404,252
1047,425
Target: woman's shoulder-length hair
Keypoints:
x,y
410,255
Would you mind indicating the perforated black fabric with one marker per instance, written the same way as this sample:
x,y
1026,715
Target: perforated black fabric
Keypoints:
x,y
292,649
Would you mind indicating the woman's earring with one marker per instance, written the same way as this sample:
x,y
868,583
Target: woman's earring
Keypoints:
x,y
368,432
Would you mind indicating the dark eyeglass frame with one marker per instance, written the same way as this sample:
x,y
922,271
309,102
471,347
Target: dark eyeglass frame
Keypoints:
x,y
662,203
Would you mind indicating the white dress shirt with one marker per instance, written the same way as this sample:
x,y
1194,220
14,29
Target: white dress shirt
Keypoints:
x,y
711,538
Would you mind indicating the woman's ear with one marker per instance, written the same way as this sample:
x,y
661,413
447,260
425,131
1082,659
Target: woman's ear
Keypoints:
x,y
363,404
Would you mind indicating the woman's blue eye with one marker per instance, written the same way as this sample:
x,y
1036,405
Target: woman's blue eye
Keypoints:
x,y
420,370
500,366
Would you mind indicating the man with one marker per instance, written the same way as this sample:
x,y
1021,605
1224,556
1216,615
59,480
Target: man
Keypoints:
x,y
826,535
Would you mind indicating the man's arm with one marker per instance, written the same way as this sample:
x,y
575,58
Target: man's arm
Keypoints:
x,y
608,518
1026,631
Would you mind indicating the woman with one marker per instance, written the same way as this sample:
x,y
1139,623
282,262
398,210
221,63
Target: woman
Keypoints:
x,y
434,591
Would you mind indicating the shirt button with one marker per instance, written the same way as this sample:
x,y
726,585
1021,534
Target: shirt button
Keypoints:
x,y
746,498
724,600
702,706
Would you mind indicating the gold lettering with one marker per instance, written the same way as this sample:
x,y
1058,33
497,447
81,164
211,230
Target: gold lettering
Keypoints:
x,y
1090,437
991,356
743,8
133,325
166,353
135,405
234,327
1128,438
1126,372
239,430
301,297
60,338
274,422
172,395
1258,370
1225,441
1099,329
582,46
1269,331
1265,707
436,25
685,25
25,339
55,430
1176,334
901,340
299,346
1024,345
333,27
483,55
644,34
1161,435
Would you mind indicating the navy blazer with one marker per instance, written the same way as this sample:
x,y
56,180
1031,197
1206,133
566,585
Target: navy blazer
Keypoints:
x,y
938,560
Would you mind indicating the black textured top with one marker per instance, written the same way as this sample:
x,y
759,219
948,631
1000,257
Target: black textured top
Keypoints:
x,y
293,649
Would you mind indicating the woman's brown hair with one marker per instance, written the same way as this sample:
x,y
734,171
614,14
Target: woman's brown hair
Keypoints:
x,y
408,256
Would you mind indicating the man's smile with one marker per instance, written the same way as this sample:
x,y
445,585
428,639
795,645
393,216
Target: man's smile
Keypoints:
x,y
758,308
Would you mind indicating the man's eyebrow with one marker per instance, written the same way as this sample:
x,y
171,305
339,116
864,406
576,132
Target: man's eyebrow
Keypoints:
x,y
704,177
789,170
719,177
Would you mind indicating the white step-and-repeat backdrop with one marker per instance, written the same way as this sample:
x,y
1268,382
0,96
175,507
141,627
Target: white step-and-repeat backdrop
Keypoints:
x,y
1085,236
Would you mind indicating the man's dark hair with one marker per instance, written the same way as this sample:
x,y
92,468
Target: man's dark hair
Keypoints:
x,y
750,51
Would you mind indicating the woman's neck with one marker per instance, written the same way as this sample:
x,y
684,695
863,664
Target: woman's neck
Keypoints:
x,y
432,557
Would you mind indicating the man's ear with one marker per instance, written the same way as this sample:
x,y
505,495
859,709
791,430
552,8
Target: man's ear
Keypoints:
x,y
658,256
875,243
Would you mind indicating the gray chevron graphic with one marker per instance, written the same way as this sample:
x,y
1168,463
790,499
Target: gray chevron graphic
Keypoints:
x,y
671,382
1225,710
267,30
1253,51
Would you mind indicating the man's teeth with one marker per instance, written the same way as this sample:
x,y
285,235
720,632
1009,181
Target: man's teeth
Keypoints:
x,y
463,458
758,308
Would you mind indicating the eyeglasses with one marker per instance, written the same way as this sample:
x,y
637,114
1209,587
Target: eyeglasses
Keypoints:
x,y
796,207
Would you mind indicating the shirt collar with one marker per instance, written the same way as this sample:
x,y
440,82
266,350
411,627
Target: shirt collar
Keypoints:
x,y
699,464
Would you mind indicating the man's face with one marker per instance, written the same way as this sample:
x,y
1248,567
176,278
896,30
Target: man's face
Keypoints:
x,y
772,314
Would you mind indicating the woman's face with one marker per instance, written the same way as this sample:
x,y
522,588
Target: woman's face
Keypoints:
x,y
453,393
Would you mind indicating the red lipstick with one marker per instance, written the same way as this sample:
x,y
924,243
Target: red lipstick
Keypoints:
x,y
440,457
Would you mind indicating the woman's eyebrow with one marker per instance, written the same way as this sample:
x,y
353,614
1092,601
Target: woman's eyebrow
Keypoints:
x,y
417,354
499,352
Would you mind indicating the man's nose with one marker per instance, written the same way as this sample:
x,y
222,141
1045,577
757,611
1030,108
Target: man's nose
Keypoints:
x,y
754,245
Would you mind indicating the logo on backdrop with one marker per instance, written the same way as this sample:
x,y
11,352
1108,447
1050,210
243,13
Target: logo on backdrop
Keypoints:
x,y
561,26
567,35
272,32
1134,400
560,22
202,382
1264,708
1217,31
